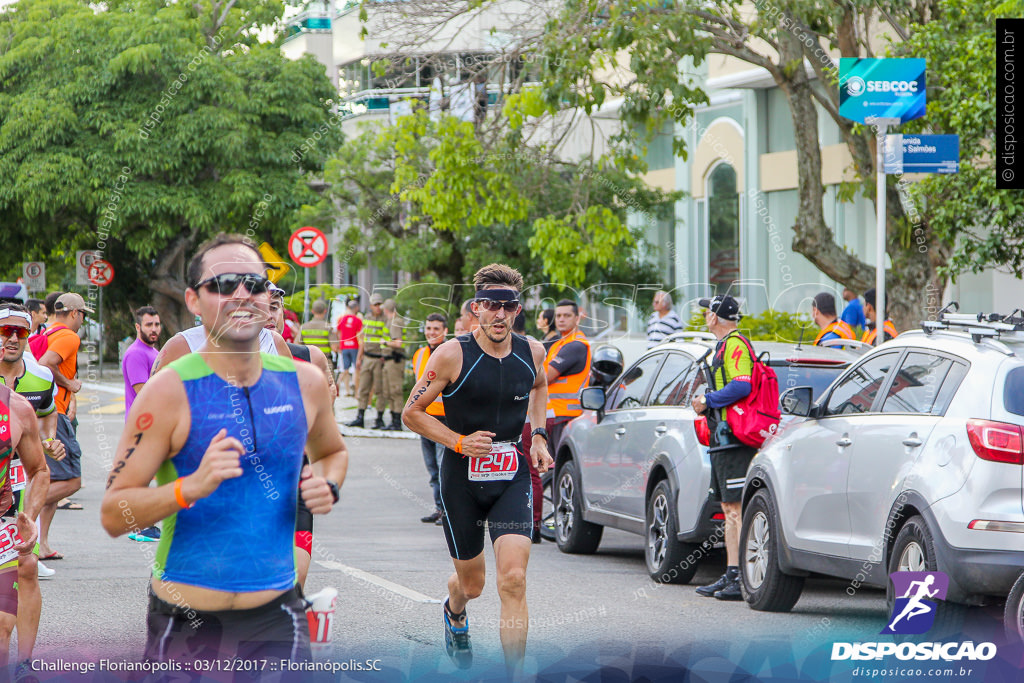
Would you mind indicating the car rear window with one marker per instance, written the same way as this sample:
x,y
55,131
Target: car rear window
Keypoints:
x,y
1013,391
818,377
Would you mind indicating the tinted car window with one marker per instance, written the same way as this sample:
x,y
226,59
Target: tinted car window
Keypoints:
x,y
631,387
1013,391
817,377
674,379
856,391
920,385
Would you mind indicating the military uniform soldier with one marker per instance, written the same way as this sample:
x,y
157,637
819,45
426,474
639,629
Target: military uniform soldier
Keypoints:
x,y
394,365
318,332
371,361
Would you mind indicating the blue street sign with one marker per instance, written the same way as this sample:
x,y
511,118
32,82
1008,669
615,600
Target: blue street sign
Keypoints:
x,y
922,154
881,88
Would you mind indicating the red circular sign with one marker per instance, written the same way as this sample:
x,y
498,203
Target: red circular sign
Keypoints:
x,y
33,269
307,247
100,272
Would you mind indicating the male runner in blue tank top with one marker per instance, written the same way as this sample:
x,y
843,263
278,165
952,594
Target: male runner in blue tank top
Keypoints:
x,y
488,381
224,432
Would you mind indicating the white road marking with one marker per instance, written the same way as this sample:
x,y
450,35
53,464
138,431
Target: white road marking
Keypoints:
x,y
377,581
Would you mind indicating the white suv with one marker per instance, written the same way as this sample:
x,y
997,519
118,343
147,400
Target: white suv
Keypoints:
x,y
911,461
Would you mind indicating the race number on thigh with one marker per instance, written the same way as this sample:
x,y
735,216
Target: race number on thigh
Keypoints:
x,y
501,464
18,478
8,538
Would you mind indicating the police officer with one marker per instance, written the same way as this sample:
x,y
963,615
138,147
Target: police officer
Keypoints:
x,y
370,362
317,332
394,365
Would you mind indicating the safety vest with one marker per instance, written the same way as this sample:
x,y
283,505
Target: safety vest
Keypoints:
x,y
869,335
375,334
563,392
419,365
839,327
313,336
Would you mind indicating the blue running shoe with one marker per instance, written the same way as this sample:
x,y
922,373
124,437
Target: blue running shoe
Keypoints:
x,y
456,640
149,534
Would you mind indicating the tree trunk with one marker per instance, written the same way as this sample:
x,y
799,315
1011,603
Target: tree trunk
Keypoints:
x,y
168,285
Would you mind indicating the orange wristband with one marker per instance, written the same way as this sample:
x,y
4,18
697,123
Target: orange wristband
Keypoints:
x,y
458,444
178,495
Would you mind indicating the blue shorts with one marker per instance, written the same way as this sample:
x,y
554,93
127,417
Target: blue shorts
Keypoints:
x,y
348,358
71,466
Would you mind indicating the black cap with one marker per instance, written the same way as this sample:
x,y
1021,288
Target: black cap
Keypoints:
x,y
724,306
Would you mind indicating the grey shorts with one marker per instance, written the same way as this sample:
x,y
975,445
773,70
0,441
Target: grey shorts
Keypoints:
x,y
71,466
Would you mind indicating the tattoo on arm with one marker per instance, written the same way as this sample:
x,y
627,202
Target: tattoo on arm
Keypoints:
x,y
418,394
119,465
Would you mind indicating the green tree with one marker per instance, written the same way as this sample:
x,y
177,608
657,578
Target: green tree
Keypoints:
x,y
142,127
665,41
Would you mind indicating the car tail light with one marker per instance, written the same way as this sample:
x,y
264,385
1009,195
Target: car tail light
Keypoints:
x,y
996,441
718,516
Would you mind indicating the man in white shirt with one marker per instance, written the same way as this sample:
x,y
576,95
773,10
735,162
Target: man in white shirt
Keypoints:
x,y
664,321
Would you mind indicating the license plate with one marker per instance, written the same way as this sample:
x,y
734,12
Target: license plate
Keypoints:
x,y
8,538
18,479
501,464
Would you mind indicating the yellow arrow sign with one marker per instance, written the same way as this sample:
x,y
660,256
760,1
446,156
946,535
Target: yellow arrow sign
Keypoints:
x,y
278,268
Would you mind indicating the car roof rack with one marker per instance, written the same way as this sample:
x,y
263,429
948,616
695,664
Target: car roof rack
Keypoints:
x,y
690,335
980,326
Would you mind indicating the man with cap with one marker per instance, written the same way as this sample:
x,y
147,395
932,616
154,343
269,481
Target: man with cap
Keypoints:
x,y
349,327
370,362
871,328
61,358
823,313
731,367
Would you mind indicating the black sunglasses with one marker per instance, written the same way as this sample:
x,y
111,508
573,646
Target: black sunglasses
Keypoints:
x,y
494,305
227,283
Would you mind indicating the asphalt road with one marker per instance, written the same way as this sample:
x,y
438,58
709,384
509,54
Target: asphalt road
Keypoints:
x,y
390,570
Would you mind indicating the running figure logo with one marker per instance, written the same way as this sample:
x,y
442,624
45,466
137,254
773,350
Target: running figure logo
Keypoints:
x,y
916,596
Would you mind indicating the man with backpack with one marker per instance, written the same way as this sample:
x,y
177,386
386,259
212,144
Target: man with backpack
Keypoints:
x,y
742,414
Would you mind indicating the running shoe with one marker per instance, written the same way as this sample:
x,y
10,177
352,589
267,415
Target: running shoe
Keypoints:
x,y
44,572
149,534
23,673
456,640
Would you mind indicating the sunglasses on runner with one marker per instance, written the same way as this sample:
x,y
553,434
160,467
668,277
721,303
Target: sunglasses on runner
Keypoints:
x,y
7,331
227,283
493,305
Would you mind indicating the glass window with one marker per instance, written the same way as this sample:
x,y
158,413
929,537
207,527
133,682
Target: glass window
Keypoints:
x,y
629,392
674,380
857,389
924,385
817,377
723,228
1013,391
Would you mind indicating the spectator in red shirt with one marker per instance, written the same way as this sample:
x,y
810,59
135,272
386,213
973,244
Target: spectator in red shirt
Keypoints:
x,y
349,327
290,331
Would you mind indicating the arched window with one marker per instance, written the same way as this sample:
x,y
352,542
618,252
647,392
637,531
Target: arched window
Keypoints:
x,y
723,228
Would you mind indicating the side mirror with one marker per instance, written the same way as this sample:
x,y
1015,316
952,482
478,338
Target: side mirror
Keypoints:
x,y
592,398
797,401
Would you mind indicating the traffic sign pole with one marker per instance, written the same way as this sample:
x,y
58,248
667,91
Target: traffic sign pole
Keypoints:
x,y
308,248
101,332
881,131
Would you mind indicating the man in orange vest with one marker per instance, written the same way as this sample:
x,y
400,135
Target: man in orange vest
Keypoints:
x,y
871,328
435,329
823,312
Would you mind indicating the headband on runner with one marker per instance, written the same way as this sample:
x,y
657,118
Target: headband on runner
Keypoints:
x,y
8,313
498,294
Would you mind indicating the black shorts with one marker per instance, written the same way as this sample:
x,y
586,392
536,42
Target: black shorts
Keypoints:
x,y
502,507
272,632
729,472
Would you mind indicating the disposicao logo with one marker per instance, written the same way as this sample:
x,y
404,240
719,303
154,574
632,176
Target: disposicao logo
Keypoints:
x,y
916,594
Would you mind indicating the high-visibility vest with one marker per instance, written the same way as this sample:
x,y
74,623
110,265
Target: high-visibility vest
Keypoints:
x,y
563,392
839,327
419,365
869,335
375,334
314,336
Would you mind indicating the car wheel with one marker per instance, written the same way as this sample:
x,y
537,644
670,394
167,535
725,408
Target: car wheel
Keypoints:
x,y
766,587
1013,615
665,555
914,551
572,533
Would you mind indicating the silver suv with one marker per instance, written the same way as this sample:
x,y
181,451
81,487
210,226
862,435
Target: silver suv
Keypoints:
x,y
911,461
635,464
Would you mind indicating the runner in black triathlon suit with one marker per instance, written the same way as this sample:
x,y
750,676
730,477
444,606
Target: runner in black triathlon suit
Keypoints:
x,y
488,381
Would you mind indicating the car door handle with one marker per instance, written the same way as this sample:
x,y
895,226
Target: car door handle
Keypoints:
x,y
660,429
620,432
912,441
844,442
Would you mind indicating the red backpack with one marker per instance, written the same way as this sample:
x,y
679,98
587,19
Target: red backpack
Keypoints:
x,y
756,417
39,343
